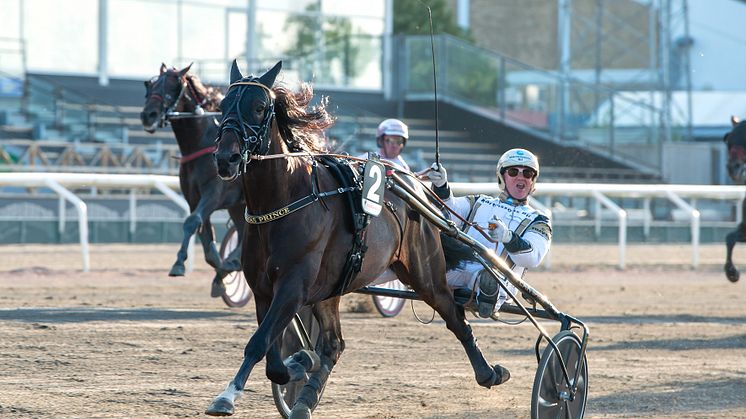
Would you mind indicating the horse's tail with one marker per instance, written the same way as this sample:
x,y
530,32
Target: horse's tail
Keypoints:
x,y
456,252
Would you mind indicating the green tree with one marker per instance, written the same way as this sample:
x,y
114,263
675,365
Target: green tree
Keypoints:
x,y
470,73
325,43
411,18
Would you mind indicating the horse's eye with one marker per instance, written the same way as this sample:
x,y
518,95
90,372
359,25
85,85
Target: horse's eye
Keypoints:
x,y
260,108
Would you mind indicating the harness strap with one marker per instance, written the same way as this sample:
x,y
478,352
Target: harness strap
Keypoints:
x,y
360,221
392,208
474,204
192,156
295,206
299,204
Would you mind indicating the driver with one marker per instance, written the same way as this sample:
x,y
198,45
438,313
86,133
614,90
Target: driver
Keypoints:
x,y
520,234
391,138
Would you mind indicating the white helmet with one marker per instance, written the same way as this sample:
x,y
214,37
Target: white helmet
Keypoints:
x,y
392,127
516,157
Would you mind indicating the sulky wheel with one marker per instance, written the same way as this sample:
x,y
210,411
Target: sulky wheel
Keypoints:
x,y
292,342
551,396
390,306
237,292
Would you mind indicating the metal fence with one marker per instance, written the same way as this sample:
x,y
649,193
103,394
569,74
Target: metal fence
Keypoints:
x,y
614,205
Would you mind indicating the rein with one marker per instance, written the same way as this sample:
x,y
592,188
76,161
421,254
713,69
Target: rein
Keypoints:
x,y
199,153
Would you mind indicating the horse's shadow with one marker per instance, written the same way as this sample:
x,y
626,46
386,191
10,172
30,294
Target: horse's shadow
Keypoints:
x,y
106,314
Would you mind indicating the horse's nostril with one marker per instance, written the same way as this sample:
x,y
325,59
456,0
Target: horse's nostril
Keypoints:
x,y
235,158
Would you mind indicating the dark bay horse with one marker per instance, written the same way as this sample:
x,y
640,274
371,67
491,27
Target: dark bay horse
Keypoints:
x,y
178,91
735,140
298,253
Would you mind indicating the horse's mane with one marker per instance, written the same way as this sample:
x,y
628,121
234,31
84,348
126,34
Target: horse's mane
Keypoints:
x,y
301,127
212,96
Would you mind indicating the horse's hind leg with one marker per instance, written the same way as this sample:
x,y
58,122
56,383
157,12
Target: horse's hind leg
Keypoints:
x,y
233,261
330,347
731,272
207,237
438,296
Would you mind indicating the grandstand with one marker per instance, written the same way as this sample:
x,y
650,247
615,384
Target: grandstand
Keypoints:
x,y
71,123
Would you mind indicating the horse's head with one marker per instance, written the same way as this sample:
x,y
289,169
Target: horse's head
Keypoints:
x,y
248,111
162,95
735,140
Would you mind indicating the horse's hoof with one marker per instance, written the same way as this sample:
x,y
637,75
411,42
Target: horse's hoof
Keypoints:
x,y
732,273
499,375
502,373
177,270
218,287
220,407
300,411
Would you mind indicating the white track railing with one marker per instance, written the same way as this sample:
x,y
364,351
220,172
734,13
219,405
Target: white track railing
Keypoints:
x,y
61,183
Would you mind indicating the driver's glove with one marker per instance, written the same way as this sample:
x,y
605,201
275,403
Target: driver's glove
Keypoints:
x,y
438,175
499,232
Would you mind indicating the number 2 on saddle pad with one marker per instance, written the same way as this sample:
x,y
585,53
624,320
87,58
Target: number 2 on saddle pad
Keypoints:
x,y
373,184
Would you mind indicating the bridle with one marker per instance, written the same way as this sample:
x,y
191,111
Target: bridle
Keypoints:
x,y
168,103
254,137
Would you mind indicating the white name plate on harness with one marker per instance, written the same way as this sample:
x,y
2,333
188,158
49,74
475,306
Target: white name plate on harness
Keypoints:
x,y
373,184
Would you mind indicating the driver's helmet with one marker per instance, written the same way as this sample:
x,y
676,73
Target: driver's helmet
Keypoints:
x,y
392,127
516,157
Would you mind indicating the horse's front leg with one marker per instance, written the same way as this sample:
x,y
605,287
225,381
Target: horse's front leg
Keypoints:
x,y
190,226
731,272
330,345
287,359
287,300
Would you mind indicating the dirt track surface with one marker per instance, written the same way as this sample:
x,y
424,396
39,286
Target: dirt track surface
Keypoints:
x,y
124,340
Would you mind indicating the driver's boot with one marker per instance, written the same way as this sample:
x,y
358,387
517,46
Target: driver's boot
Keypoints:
x,y
487,298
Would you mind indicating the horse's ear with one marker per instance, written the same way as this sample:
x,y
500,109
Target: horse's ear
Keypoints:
x,y
185,70
163,68
235,73
734,120
268,79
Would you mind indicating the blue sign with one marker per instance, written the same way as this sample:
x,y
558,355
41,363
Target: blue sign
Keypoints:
x,y
11,87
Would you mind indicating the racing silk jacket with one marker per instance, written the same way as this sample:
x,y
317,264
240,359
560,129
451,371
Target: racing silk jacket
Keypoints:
x,y
532,230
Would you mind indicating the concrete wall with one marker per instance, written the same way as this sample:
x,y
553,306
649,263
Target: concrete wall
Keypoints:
x,y
695,163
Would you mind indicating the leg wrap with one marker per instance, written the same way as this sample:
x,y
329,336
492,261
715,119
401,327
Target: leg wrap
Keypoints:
x,y
311,391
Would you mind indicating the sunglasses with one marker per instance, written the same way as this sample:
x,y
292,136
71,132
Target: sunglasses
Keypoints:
x,y
397,141
528,173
